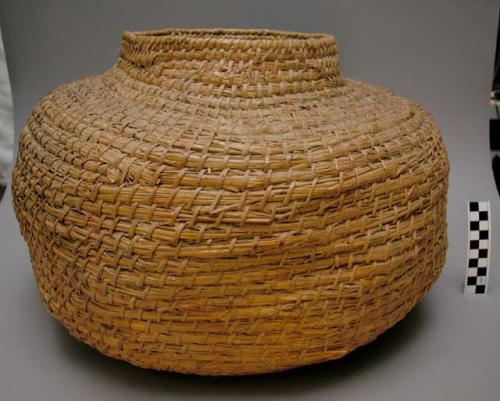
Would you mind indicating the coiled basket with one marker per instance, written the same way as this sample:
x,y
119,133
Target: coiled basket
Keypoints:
x,y
226,202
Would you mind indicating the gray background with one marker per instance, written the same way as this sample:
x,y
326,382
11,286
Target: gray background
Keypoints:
x,y
437,53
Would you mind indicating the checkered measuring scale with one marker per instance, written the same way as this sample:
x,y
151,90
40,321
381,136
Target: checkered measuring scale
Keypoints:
x,y
476,280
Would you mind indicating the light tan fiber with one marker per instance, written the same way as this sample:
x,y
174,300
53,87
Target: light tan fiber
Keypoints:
x,y
226,202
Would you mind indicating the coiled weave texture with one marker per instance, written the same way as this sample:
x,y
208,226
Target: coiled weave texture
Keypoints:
x,y
226,202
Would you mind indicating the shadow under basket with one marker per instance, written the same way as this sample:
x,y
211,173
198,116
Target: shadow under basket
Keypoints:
x,y
226,202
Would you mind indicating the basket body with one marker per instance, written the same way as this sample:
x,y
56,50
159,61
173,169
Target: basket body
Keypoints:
x,y
226,202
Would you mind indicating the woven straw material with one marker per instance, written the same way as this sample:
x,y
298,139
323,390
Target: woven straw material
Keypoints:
x,y
226,202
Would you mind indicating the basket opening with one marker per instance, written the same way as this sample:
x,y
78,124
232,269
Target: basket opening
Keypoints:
x,y
236,34
232,62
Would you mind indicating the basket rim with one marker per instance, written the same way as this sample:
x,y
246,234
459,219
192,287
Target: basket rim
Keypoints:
x,y
253,36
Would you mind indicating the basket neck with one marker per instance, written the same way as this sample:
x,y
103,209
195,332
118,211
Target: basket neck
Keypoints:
x,y
230,62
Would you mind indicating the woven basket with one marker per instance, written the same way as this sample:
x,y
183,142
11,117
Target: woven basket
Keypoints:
x,y
226,202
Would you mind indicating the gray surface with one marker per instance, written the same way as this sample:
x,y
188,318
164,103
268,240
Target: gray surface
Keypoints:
x,y
438,53
6,120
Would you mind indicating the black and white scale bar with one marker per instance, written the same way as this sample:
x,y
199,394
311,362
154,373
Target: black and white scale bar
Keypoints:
x,y
478,260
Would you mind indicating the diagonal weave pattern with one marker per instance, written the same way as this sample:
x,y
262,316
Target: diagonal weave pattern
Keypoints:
x,y
227,202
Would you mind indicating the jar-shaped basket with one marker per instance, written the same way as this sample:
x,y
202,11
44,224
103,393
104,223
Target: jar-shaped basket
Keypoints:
x,y
227,202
